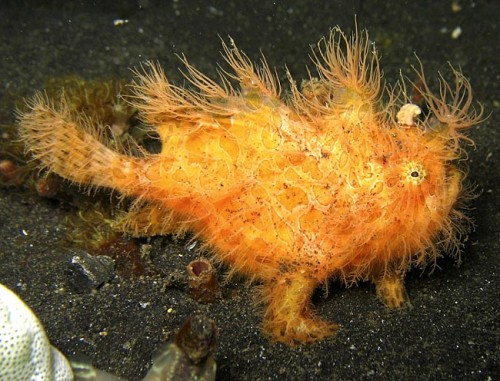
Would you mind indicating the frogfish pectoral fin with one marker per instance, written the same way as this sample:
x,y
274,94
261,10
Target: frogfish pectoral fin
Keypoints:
x,y
288,317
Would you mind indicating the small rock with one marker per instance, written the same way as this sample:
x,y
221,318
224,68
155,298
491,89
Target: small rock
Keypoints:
x,y
87,272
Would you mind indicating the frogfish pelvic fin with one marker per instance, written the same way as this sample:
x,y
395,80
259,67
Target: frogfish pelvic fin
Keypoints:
x,y
343,179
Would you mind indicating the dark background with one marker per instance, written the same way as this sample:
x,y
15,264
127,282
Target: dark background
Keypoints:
x,y
452,330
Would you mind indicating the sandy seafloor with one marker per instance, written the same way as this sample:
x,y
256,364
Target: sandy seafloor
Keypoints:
x,y
451,332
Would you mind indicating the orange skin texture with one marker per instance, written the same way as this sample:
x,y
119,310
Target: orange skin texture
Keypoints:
x,y
328,184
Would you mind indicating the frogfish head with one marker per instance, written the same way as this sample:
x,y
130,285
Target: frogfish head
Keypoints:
x,y
422,181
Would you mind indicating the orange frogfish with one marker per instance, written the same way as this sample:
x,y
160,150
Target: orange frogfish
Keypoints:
x,y
342,178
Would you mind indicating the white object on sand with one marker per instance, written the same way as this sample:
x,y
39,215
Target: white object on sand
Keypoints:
x,y
25,350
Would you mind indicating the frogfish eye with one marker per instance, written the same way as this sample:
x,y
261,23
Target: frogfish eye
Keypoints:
x,y
414,173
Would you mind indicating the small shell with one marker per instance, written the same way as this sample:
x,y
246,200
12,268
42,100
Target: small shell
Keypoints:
x,y
48,186
8,172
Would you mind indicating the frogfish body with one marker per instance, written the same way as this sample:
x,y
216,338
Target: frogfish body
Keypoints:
x,y
332,182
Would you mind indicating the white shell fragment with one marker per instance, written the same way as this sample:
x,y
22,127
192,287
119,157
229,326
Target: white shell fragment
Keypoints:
x,y
455,33
25,350
407,114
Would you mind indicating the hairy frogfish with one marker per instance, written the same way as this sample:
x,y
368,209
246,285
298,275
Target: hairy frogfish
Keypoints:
x,y
340,178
